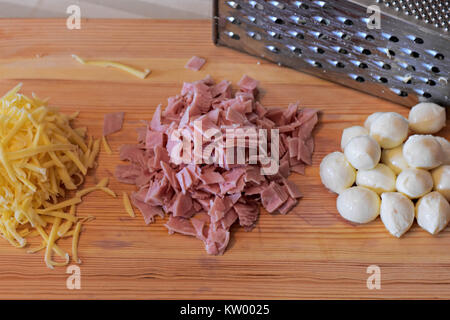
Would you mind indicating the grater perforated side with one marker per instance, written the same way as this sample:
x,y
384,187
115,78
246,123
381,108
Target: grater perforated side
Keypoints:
x,y
405,60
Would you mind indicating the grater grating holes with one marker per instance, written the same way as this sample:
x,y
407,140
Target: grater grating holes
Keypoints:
x,y
399,92
363,65
232,35
254,35
233,5
381,79
435,69
434,12
393,39
301,5
233,20
273,49
280,25
277,4
276,20
256,5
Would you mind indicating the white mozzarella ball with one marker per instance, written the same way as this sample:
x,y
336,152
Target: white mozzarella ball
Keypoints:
x,y
358,204
371,119
394,159
396,212
363,152
423,151
445,144
336,172
352,132
433,212
414,183
389,129
441,180
379,179
427,117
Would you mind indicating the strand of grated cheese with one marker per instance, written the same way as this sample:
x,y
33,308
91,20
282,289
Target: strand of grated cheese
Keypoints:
x,y
127,205
76,236
121,66
106,145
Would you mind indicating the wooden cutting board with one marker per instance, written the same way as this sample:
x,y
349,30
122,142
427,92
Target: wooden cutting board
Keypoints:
x,y
309,253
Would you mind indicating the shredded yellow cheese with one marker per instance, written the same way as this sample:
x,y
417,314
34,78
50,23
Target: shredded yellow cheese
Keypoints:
x,y
106,145
127,205
66,225
121,66
76,236
41,157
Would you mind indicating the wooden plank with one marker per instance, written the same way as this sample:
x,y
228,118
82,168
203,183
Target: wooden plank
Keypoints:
x,y
309,253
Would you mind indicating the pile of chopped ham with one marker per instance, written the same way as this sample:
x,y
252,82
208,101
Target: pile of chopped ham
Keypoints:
x,y
205,200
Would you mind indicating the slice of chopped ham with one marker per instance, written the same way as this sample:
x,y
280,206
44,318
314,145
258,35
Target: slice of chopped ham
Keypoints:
x,y
112,122
182,206
248,84
273,197
180,225
195,63
248,214
205,200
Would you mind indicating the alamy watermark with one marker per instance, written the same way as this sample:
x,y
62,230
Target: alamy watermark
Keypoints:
x,y
73,282
374,20
374,280
73,22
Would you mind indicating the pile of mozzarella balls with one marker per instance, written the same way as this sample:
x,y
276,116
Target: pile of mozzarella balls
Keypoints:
x,y
391,169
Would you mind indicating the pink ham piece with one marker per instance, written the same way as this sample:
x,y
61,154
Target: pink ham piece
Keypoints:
x,y
273,197
205,199
112,122
248,84
195,63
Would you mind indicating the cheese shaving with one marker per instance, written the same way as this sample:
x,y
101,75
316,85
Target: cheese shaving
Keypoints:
x,y
118,65
41,157
76,236
127,205
106,145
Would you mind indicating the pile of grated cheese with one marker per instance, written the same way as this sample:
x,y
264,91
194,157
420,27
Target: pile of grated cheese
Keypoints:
x,y
41,157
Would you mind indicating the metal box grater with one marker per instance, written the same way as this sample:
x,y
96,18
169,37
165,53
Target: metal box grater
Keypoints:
x,y
406,60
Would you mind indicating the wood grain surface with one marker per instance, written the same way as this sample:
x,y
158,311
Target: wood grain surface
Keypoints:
x,y
309,253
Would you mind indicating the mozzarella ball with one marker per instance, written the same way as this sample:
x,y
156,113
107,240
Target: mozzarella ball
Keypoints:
x,y
396,212
363,152
352,132
441,180
389,129
336,172
423,151
358,204
433,212
394,159
414,183
445,144
371,119
427,117
379,179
